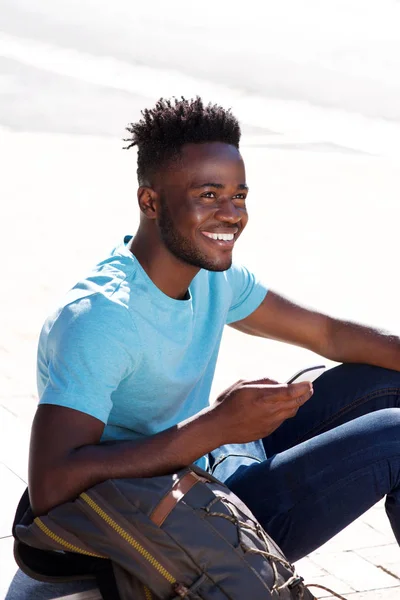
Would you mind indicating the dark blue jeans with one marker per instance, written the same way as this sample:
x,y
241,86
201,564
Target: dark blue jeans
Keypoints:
x,y
325,467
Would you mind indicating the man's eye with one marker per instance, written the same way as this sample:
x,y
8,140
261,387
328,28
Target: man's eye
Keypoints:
x,y
208,195
240,197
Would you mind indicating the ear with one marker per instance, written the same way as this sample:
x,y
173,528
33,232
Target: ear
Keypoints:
x,y
148,200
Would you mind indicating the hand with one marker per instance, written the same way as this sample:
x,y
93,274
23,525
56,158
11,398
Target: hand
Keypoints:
x,y
251,410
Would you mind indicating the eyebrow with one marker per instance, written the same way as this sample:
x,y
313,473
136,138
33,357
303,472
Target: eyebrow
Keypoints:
x,y
220,186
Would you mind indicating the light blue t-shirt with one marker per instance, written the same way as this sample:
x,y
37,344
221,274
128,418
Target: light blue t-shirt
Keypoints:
x,y
122,351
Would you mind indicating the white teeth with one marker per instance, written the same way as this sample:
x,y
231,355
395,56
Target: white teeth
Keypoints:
x,y
227,237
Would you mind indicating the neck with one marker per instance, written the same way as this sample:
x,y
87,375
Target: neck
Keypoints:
x,y
171,275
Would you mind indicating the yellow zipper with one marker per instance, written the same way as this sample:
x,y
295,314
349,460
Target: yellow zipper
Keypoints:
x,y
60,540
128,538
147,593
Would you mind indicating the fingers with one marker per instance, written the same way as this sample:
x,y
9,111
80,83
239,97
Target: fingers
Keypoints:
x,y
299,389
290,397
293,405
287,391
290,390
300,400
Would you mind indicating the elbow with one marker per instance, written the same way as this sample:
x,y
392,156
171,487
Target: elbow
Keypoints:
x,y
48,490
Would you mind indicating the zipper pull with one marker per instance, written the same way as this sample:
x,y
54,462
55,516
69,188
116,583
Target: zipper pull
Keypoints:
x,y
180,589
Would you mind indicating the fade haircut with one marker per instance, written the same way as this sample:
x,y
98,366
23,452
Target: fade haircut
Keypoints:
x,y
164,129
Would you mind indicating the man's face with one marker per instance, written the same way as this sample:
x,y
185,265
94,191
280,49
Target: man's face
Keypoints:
x,y
202,207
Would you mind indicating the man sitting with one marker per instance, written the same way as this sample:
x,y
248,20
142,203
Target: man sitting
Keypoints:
x,y
130,355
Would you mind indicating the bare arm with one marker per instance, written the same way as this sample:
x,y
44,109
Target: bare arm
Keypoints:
x,y
352,342
342,341
66,457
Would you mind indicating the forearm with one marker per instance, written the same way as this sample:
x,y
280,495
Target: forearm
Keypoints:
x,y
353,343
162,453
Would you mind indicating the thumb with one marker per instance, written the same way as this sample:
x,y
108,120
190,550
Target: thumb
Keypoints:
x,y
263,381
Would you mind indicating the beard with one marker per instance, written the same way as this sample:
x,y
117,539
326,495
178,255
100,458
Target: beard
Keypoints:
x,y
183,249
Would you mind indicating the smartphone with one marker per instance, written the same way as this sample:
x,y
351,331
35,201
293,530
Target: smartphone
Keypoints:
x,y
308,374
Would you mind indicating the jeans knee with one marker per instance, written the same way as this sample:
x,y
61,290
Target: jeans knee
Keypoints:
x,y
388,419
389,375
363,381
372,372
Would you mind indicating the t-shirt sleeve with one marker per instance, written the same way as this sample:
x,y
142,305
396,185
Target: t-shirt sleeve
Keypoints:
x,y
91,346
247,293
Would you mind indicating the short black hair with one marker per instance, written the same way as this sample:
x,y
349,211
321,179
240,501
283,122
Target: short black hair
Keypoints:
x,y
164,129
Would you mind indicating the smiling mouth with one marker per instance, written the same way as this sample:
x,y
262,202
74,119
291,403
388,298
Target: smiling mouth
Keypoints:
x,y
223,240
226,237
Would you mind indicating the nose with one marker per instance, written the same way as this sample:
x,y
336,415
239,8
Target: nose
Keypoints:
x,y
228,213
